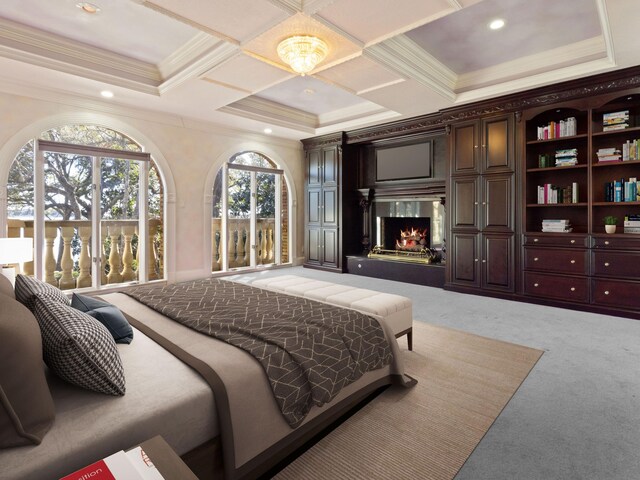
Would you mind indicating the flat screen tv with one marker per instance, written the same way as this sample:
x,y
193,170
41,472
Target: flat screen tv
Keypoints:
x,y
405,162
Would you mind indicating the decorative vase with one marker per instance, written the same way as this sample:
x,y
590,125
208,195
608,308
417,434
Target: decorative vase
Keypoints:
x,y
610,228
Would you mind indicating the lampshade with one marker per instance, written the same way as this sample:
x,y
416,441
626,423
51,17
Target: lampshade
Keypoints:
x,y
302,52
15,250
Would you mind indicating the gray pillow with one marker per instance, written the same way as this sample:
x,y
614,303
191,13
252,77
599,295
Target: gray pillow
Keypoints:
x,y
78,348
26,406
28,287
108,315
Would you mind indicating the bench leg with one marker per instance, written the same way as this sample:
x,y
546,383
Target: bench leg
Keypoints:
x,y
410,339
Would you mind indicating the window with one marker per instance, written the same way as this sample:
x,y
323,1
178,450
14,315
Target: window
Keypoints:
x,y
92,200
250,224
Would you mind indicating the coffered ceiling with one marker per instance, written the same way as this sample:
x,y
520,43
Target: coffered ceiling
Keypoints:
x,y
216,60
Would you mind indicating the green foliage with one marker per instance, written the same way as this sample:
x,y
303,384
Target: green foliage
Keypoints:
x,y
610,220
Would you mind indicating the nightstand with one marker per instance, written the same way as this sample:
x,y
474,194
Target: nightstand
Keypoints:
x,y
168,463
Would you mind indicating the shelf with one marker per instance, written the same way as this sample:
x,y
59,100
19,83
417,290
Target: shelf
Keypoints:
x,y
616,132
614,204
555,234
546,205
615,164
558,139
556,169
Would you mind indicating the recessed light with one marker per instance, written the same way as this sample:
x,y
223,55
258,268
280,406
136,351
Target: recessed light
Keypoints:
x,y
267,131
107,93
496,24
88,7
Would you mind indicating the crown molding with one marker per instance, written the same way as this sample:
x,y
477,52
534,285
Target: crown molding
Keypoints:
x,y
30,45
218,54
556,58
256,108
289,6
198,45
607,34
405,57
336,29
312,6
353,113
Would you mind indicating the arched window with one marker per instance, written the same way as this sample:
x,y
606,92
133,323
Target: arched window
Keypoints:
x,y
250,224
93,202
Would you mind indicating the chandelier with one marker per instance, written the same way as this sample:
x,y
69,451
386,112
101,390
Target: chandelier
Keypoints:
x,y
302,52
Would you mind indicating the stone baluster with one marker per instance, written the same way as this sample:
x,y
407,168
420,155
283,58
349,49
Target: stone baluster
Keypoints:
x,y
128,274
103,257
50,234
28,266
269,230
263,244
152,256
216,258
67,282
242,246
84,262
232,227
114,255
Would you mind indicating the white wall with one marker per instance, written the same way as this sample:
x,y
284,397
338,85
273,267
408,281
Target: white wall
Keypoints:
x,y
188,152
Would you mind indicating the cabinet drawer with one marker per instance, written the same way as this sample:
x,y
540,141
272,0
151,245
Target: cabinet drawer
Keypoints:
x,y
615,242
556,260
616,264
560,240
571,289
616,293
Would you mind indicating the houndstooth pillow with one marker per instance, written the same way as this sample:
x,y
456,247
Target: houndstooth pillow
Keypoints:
x,y
28,287
78,348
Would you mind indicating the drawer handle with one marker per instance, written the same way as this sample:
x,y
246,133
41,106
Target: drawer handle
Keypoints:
x,y
484,261
606,264
535,284
573,241
535,259
475,203
573,261
535,240
606,242
475,259
606,292
573,289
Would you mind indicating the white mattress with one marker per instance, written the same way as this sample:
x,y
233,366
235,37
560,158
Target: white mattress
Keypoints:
x,y
164,397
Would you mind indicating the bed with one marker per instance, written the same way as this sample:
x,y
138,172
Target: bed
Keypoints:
x,y
191,389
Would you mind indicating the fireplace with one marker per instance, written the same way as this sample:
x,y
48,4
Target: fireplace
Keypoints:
x,y
409,229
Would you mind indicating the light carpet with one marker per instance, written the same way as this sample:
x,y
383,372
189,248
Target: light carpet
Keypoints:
x,y
428,431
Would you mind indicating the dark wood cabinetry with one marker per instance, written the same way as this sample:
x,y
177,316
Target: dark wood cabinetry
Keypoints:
x,y
482,208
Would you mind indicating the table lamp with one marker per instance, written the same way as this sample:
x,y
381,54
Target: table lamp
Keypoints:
x,y
12,251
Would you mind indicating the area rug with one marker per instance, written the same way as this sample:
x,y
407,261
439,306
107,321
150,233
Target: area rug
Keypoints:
x,y
429,431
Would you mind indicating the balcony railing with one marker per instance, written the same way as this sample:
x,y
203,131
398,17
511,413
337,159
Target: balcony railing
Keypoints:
x,y
238,247
117,252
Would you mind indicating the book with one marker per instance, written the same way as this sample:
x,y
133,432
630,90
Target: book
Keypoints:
x,y
143,464
114,467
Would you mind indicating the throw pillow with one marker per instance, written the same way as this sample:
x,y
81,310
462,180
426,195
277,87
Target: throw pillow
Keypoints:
x,y
26,407
28,287
78,348
109,315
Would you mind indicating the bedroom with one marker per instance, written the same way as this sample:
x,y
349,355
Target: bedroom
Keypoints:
x,y
195,114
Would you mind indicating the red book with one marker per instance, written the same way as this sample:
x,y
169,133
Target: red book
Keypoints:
x,y
95,471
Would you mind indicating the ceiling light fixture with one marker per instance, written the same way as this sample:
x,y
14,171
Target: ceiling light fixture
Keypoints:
x,y
496,24
88,7
302,52
267,131
106,93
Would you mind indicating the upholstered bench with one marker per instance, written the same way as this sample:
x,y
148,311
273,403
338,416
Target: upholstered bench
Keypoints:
x,y
394,310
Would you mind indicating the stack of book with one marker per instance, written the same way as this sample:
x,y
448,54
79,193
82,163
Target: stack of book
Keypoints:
x,y
566,157
632,224
550,194
615,121
622,190
557,226
563,128
609,155
545,161
131,465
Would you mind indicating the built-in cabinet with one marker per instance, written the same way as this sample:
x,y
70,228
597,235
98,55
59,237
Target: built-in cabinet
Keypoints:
x,y
481,206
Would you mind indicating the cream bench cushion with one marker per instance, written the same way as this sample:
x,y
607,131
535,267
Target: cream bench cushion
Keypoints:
x,y
395,310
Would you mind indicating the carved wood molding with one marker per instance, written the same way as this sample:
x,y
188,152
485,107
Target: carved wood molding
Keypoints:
x,y
325,140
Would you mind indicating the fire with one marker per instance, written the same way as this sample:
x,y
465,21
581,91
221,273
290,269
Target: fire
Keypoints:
x,y
412,239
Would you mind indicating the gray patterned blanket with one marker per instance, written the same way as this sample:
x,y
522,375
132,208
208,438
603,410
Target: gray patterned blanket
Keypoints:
x,y
309,350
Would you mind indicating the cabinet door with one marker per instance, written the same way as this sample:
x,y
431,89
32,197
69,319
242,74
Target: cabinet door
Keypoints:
x,y
464,192
330,166
313,206
314,164
497,202
330,248
498,144
313,244
464,148
464,259
329,207
498,263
